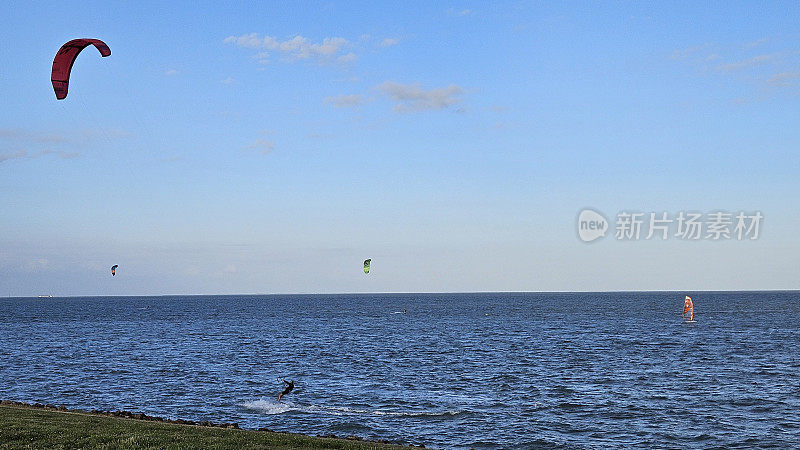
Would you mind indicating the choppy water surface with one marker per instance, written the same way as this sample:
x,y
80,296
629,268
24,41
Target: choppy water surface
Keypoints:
x,y
454,370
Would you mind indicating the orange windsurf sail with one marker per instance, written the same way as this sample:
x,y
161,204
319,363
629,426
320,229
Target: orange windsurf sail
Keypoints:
x,y
688,306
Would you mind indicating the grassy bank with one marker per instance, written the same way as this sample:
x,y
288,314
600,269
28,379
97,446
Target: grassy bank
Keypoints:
x,y
26,427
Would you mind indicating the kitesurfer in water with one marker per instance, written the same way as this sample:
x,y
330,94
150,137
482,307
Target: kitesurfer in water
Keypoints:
x,y
289,387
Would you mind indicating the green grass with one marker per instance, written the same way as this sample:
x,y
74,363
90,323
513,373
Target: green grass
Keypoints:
x,y
35,428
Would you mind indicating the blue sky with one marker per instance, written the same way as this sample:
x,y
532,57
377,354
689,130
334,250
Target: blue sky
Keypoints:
x,y
271,148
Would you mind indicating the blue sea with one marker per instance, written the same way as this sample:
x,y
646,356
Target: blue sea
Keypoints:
x,y
488,370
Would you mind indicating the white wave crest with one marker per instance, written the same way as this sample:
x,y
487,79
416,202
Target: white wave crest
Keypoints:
x,y
268,406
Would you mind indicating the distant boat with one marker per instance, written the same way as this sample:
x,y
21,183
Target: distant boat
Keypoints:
x,y
45,296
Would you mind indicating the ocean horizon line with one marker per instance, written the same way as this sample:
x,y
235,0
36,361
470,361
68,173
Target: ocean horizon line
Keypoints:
x,y
649,291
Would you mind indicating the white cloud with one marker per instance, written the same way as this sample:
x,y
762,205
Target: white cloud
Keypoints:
x,y
252,40
747,63
59,153
25,154
297,47
411,97
262,145
768,73
343,101
16,155
460,12
40,137
754,44
261,57
388,42
9,133
329,46
20,143
783,78
348,58
171,72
